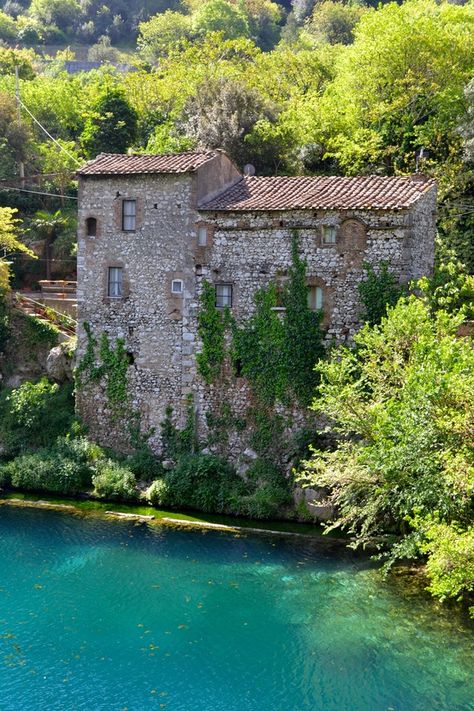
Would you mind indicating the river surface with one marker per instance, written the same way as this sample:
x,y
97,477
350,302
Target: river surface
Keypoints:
x,y
113,615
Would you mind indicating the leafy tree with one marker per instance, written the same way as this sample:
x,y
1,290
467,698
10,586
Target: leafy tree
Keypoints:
x,y
9,244
450,288
401,85
21,58
47,228
9,225
401,404
103,51
14,138
112,125
264,18
59,164
450,565
222,115
220,16
7,28
334,22
163,33
62,13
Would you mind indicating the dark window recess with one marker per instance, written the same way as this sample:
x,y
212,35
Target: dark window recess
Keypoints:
x,y
223,295
238,368
91,227
129,215
115,282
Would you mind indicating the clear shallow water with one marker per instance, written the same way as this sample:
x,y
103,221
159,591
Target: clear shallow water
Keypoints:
x,y
110,615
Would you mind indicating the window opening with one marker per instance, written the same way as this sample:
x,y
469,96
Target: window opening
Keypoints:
x,y
91,227
329,234
115,282
238,367
223,295
315,298
129,213
202,236
177,286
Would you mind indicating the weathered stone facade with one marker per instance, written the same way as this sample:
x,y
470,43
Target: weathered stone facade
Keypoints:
x,y
163,261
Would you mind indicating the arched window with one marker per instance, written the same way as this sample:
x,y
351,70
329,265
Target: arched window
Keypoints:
x,y
91,227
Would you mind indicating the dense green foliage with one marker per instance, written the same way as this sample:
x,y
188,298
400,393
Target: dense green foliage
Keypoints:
x,y
212,326
107,364
34,415
379,290
275,349
111,126
113,480
401,405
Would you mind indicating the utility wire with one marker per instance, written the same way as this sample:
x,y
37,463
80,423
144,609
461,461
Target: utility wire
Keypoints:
x,y
36,192
77,162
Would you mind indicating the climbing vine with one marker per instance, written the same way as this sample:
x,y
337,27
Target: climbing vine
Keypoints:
x,y
303,343
377,291
212,326
277,351
112,366
258,345
176,443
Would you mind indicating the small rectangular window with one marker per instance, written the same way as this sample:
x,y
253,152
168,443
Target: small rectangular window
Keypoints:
x,y
315,298
223,295
329,234
129,213
177,286
202,236
115,282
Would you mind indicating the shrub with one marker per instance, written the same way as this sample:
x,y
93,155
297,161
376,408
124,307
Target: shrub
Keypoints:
x,y
46,470
113,480
271,494
144,464
34,415
450,564
157,494
266,502
204,482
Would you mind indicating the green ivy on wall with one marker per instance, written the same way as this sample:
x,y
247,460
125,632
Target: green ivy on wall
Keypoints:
x,y
278,350
111,364
212,326
379,290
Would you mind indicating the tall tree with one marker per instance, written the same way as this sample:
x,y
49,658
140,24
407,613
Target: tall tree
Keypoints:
x,y
112,124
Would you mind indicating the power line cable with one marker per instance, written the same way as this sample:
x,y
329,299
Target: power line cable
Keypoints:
x,y
76,161
36,192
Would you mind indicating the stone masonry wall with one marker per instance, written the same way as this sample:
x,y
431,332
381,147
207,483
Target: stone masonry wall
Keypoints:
x,y
245,249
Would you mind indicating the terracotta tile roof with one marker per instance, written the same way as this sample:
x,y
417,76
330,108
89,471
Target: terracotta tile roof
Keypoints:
x,y
321,193
118,164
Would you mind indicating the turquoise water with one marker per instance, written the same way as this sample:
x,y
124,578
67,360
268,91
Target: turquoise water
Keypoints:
x,y
113,615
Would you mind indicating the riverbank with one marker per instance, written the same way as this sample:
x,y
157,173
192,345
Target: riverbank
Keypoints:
x,y
153,515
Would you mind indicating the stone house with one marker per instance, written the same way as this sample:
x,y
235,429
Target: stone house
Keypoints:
x,y
153,227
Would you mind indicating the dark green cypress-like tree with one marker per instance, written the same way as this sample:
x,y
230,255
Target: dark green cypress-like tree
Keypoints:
x,y
112,125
